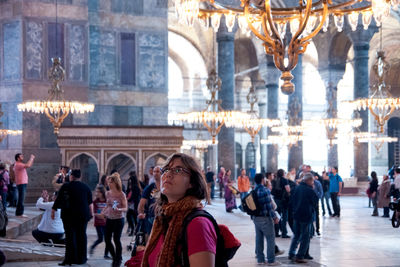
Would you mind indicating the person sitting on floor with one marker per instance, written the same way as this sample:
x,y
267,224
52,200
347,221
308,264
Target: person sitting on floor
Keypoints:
x,y
48,231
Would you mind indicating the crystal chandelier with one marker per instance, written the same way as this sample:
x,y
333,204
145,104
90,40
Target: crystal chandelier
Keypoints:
x,y
287,31
283,140
381,104
213,117
5,132
254,123
55,106
377,140
199,143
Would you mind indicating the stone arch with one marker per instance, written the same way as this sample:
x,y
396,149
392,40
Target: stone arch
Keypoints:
x,y
147,162
83,153
123,170
339,49
90,172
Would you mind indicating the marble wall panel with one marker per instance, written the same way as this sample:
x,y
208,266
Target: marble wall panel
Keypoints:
x,y
34,50
47,137
156,8
102,57
152,64
133,7
12,44
76,52
155,115
102,115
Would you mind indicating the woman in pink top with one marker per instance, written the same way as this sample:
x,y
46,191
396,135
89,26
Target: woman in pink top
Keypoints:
x,y
114,211
182,189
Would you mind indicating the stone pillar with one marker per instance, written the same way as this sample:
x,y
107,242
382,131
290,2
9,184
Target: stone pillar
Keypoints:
x,y
226,71
295,114
361,39
271,75
262,113
331,76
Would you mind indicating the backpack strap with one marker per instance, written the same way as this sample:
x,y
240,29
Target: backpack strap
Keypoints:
x,y
183,258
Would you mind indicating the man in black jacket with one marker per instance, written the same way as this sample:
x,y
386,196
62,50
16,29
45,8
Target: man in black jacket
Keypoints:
x,y
74,200
303,201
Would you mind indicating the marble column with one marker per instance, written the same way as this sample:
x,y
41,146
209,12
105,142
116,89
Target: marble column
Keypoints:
x,y
361,39
270,74
226,70
262,113
295,114
331,76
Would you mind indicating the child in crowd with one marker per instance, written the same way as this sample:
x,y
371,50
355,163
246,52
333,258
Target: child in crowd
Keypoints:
x,y
99,221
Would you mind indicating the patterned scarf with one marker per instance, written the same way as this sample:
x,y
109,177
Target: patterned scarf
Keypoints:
x,y
174,214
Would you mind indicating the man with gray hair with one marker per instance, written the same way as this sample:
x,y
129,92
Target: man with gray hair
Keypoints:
x,y
303,201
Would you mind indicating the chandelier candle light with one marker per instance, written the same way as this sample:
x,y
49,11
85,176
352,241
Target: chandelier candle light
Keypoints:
x,y
381,104
213,117
5,132
254,123
55,106
285,32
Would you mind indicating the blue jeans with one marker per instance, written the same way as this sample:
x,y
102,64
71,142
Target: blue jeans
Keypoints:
x,y
212,190
264,228
21,198
326,197
100,229
302,236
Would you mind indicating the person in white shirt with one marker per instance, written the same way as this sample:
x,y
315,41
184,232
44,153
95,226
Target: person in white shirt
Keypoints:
x,y
48,231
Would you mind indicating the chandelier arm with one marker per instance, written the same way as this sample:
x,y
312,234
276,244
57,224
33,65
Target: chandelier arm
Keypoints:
x,y
271,23
56,121
303,23
289,10
321,24
266,38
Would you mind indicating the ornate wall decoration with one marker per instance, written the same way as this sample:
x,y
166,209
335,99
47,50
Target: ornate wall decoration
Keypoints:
x,y
34,49
76,49
152,61
12,44
102,57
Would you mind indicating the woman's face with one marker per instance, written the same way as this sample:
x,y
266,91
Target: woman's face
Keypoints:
x,y
98,194
228,173
175,180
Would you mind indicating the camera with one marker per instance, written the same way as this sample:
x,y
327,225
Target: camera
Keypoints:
x,y
140,240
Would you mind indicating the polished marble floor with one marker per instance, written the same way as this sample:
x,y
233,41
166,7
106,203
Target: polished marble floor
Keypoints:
x,y
356,239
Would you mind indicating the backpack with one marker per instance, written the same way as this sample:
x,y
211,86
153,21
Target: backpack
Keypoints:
x,y
250,203
227,244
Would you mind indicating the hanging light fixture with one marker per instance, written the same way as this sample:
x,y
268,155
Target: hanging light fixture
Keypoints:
x,y
213,117
199,143
270,24
55,106
381,103
283,140
377,140
5,132
254,123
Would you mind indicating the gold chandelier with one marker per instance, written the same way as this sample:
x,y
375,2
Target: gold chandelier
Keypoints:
x,y
381,104
199,143
254,123
5,132
55,106
271,24
213,117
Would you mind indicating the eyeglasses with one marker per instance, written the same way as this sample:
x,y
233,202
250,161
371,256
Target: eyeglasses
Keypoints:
x,y
175,170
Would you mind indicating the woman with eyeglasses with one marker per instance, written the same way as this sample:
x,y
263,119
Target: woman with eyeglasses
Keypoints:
x,y
114,212
182,189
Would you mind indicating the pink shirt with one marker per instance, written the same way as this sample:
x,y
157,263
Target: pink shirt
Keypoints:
x,y
21,177
201,236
